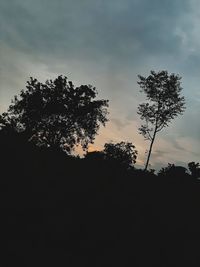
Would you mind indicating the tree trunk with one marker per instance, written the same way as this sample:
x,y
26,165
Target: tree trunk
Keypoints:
x,y
150,149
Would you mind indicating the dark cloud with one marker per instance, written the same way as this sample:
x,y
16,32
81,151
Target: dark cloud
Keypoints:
x,y
118,30
105,43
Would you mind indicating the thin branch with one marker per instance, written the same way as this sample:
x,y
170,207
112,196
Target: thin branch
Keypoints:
x,y
161,127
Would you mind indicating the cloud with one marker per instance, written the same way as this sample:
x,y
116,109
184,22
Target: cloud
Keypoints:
x,y
106,44
86,29
119,123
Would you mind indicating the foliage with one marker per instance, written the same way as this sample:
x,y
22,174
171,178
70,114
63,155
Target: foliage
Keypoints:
x,y
56,114
95,155
123,152
194,169
172,170
164,103
52,203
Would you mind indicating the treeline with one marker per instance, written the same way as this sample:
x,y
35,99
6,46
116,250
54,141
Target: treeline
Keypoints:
x,y
122,154
59,210
99,210
60,116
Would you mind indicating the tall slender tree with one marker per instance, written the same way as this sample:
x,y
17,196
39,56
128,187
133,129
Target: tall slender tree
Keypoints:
x,y
163,104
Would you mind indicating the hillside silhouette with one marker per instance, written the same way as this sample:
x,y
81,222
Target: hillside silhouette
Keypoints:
x,y
99,210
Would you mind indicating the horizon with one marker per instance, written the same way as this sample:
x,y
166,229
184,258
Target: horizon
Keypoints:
x,y
107,44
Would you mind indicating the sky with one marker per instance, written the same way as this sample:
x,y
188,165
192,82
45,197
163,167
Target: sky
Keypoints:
x,y
107,43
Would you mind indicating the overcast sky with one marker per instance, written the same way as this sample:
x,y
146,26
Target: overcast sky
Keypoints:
x,y
107,43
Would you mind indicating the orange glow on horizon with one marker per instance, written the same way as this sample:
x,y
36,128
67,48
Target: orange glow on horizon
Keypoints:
x,y
93,148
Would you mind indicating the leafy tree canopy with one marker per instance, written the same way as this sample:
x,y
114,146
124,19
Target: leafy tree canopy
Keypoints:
x,y
56,114
123,152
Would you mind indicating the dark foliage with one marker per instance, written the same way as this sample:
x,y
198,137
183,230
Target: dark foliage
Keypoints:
x,y
194,169
56,114
58,210
95,155
173,170
164,103
123,153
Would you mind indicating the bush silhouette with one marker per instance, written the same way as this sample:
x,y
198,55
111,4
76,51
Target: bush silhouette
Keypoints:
x,y
194,169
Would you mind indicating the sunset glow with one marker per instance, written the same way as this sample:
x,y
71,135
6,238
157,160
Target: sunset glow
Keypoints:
x,y
133,37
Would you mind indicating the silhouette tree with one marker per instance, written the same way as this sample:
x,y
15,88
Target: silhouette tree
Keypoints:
x,y
123,152
94,155
172,171
194,169
164,104
56,114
